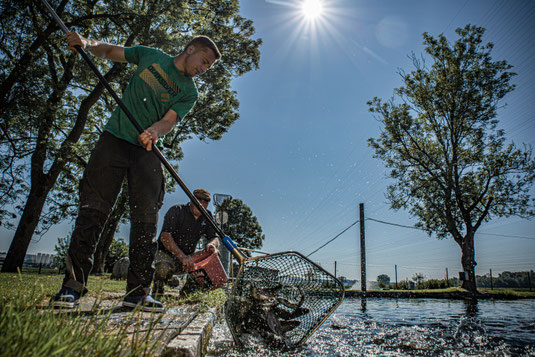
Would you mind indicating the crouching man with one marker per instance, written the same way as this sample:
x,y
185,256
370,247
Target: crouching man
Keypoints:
x,y
182,229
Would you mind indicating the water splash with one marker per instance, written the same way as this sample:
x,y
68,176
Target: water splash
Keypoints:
x,y
409,327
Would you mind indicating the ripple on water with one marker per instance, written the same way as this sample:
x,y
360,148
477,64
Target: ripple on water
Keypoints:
x,y
389,327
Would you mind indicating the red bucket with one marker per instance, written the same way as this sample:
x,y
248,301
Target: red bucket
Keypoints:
x,y
208,271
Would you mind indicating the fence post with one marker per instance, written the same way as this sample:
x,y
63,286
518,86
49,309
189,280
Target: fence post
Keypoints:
x,y
491,285
362,251
396,268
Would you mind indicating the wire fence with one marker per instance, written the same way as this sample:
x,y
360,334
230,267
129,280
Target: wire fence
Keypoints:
x,y
510,272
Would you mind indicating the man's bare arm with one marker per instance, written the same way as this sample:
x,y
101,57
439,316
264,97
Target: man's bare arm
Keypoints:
x,y
171,246
97,48
213,246
150,136
215,242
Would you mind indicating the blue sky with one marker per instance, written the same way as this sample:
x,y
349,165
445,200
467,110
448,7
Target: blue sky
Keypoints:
x,y
299,158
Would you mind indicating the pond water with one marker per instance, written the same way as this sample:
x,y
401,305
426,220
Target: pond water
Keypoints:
x,y
411,327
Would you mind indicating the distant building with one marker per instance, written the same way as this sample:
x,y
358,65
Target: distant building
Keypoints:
x,y
34,260
348,284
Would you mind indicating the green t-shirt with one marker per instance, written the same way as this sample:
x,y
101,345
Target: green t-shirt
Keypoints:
x,y
156,87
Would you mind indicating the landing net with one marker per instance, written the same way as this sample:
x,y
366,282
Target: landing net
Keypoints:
x,y
281,298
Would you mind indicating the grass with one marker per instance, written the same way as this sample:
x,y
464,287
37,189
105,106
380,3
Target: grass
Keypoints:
x,y
524,293
497,293
13,284
31,328
205,299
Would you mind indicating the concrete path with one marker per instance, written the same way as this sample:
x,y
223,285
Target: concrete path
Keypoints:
x,y
181,330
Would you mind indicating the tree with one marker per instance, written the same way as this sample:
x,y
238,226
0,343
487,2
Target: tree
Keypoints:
x,y
242,226
51,119
451,166
61,248
117,250
383,281
117,215
418,278
507,279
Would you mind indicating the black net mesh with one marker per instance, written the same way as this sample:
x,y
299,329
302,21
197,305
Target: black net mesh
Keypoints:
x,y
281,298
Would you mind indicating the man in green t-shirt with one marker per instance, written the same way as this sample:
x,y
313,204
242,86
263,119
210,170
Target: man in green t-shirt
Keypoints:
x,y
160,93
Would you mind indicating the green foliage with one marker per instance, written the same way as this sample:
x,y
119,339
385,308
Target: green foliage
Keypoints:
x,y
435,284
419,279
508,280
451,165
118,249
402,285
61,248
52,108
430,284
383,281
242,225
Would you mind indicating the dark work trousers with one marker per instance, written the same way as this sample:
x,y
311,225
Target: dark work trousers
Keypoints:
x,y
111,160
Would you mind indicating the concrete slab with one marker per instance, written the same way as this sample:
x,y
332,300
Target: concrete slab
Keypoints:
x,y
193,340
181,330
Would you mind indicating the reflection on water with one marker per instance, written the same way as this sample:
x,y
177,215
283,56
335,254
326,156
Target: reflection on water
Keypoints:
x,y
412,327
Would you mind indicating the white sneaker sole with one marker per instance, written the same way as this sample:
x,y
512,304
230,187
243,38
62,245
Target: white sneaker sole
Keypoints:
x,y
69,305
143,307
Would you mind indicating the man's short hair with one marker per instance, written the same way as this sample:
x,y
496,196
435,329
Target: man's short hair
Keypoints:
x,y
202,194
204,42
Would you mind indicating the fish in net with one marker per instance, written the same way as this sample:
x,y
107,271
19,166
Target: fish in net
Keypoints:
x,y
281,298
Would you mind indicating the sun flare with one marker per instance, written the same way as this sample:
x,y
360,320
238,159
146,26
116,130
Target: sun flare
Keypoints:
x,y
312,9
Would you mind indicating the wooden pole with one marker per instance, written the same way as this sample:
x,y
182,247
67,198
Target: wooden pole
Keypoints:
x,y
396,269
491,285
362,251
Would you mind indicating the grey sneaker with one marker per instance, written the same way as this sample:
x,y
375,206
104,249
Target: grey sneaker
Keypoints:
x,y
145,302
66,298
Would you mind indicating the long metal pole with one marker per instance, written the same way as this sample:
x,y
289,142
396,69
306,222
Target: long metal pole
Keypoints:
x,y
362,251
226,240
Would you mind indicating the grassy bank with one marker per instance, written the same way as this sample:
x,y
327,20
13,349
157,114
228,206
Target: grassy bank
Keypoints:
x,y
31,328
450,293
48,284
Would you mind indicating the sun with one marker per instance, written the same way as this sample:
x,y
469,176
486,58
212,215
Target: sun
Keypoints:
x,y
312,9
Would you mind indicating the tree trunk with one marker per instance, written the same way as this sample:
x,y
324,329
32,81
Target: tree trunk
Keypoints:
x,y
109,233
41,183
469,263
103,246
28,223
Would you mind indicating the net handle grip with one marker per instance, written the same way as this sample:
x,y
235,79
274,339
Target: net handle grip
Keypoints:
x,y
233,249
